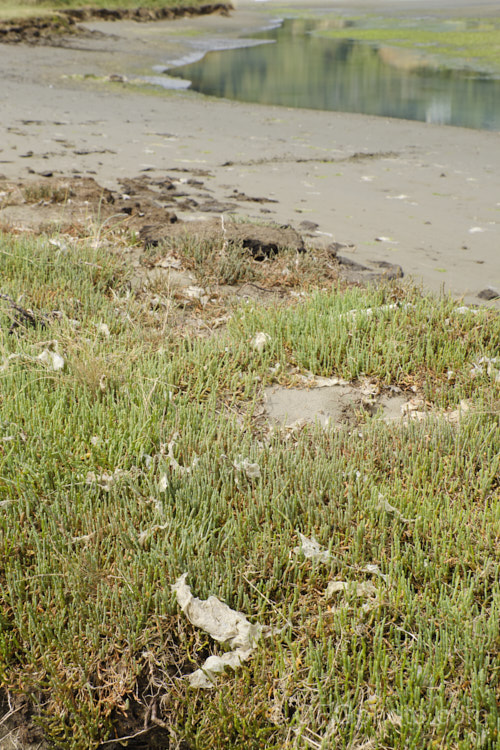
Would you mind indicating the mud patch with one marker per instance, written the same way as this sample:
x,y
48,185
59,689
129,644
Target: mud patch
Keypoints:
x,y
18,727
342,405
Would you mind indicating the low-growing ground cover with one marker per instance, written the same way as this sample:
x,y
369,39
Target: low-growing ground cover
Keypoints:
x,y
132,452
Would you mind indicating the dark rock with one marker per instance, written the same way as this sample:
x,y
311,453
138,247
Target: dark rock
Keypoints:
x,y
174,193
239,196
372,271
216,207
350,263
153,234
189,204
308,226
334,247
389,270
267,241
489,293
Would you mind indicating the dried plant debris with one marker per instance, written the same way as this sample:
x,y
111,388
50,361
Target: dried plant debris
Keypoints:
x,y
385,506
312,550
22,317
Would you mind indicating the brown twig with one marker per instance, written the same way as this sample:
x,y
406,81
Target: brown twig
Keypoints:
x,y
260,288
23,316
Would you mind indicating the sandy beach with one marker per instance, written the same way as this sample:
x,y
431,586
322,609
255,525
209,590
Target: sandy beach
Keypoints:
x,y
424,196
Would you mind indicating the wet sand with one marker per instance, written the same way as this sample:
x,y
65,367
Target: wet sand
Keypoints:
x,y
421,195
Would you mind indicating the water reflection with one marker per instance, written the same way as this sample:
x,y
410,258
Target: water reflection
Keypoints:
x,y
301,69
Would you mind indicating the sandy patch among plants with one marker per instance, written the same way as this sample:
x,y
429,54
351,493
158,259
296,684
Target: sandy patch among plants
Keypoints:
x,y
331,406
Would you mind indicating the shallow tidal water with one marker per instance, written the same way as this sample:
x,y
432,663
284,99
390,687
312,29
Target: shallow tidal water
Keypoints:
x,y
295,66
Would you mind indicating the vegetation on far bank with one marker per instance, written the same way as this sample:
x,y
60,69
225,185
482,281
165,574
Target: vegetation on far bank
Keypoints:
x,y
470,41
133,451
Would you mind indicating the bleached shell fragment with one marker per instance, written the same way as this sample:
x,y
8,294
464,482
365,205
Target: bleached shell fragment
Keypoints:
x,y
311,549
104,329
216,618
317,381
224,625
320,382
252,470
366,588
260,341
385,505
214,665
169,261
487,365
58,243
105,481
374,569
52,359
464,309
195,292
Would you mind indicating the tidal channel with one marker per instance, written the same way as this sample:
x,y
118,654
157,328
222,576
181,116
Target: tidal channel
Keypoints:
x,y
294,66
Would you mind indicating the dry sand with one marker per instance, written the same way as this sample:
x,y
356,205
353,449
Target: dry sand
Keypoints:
x,y
424,196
